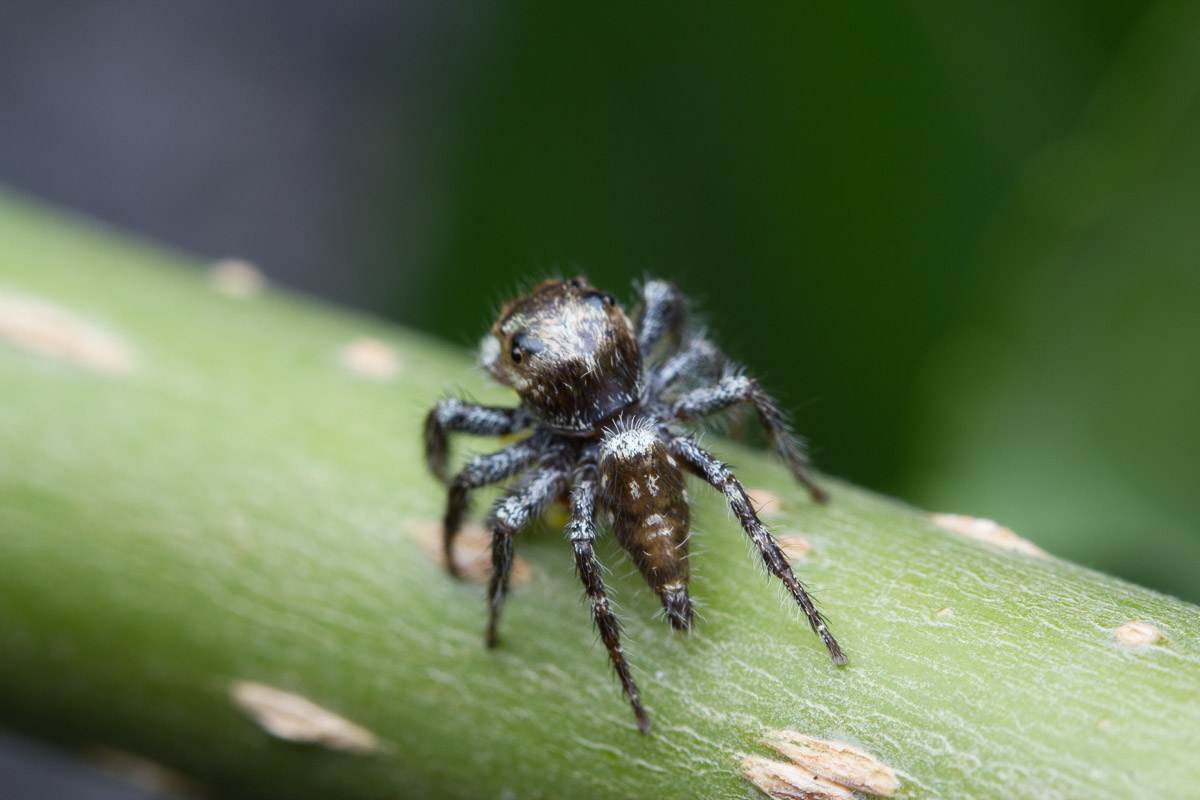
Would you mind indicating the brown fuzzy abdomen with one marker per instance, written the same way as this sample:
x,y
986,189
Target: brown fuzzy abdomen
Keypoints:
x,y
643,489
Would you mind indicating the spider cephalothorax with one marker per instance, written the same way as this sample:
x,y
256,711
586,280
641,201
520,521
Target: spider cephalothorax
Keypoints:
x,y
571,354
604,439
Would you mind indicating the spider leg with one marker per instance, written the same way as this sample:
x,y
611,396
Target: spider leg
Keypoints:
x,y
455,416
701,358
480,471
663,314
524,503
702,463
582,533
736,389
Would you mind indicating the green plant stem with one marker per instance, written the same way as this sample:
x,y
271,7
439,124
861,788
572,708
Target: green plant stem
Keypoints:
x,y
236,504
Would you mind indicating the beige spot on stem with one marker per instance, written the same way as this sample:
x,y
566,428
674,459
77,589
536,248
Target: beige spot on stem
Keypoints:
x,y
766,503
234,277
985,530
147,775
297,719
841,763
783,781
371,358
50,331
1137,634
794,546
472,551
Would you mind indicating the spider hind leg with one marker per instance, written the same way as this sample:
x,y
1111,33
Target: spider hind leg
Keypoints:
x,y
703,464
735,390
581,531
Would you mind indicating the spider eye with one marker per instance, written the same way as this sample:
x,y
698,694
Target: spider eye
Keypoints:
x,y
524,345
576,283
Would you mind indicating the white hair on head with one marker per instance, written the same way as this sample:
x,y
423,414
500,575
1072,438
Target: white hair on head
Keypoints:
x,y
489,352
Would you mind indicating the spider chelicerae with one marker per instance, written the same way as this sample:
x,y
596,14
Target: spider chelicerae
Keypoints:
x,y
604,397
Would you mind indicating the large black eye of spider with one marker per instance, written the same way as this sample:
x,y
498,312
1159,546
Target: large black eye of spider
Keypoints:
x,y
523,345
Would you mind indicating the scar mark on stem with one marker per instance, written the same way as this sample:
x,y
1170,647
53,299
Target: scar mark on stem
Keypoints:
x,y
45,329
986,530
780,780
237,278
297,719
841,765
1136,633
794,546
766,503
472,551
150,776
371,358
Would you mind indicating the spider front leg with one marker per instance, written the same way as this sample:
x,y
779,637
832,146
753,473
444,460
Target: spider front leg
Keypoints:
x,y
700,359
522,506
663,314
735,389
718,475
480,471
581,531
456,416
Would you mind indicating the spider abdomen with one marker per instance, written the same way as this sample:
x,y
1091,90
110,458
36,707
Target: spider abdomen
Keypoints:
x,y
643,489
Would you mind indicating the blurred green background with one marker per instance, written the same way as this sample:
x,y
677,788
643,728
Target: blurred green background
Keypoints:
x,y
962,241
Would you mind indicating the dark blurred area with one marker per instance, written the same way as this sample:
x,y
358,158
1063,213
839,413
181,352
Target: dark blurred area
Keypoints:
x,y
960,240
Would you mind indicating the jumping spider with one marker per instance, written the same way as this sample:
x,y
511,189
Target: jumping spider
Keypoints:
x,y
602,440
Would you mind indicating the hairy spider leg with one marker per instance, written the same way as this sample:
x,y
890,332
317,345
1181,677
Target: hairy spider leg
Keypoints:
x,y
719,476
481,471
456,416
662,316
700,359
581,531
736,389
523,504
